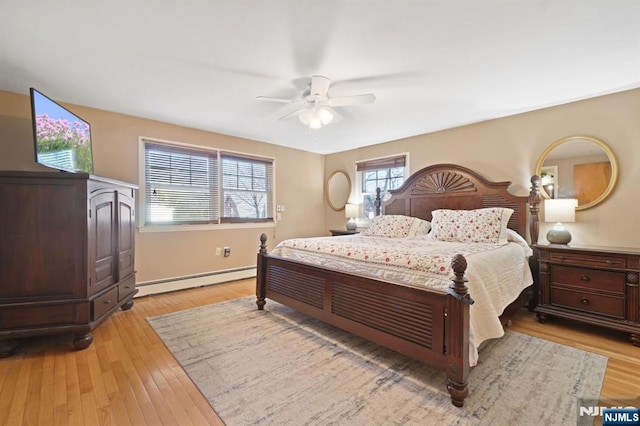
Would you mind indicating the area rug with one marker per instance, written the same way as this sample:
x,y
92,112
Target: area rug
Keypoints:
x,y
281,367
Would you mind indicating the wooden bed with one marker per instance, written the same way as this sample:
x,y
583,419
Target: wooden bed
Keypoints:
x,y
427,325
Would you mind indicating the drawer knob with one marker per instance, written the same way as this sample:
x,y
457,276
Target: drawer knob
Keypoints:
x,y
609,262
584,301
107,302
585,278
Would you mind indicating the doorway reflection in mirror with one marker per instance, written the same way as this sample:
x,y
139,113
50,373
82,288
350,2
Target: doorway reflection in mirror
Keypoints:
x,y
549,178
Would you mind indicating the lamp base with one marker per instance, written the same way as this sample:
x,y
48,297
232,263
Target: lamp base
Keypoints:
x,y
351,225
558,235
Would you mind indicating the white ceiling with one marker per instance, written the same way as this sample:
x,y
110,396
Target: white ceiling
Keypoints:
x,y
431,64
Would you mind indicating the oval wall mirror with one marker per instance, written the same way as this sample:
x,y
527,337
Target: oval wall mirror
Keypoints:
x,y
580,167
338,190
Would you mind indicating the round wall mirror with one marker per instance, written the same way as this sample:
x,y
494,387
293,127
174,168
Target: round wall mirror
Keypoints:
x,y
580,167
338,190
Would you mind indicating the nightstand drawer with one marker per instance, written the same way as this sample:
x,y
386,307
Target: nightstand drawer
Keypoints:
x,y
579,259
590,279
588,302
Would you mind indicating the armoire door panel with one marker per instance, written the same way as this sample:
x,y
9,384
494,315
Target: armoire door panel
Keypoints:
x,y
102,241
127,227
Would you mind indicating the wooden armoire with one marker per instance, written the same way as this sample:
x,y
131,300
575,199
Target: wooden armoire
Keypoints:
x,y
67,243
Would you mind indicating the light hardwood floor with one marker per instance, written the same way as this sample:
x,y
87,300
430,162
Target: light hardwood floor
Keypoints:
x,y
128,377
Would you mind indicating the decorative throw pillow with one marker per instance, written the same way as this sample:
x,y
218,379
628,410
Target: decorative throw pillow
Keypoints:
x,y
471,226
397,226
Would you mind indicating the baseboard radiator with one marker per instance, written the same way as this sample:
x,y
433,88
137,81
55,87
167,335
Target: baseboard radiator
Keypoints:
x,y
148,288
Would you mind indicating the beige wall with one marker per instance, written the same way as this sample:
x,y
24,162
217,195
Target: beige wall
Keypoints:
x,y
299,186
507,149
503,149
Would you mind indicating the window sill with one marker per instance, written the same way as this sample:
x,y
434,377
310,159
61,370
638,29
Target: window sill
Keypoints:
x,y
207,227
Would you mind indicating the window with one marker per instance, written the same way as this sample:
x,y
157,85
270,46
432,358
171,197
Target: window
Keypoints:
x,y
246,189
189,185
384,173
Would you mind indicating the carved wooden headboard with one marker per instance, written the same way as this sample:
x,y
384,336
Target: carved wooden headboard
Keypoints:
x,y
449,186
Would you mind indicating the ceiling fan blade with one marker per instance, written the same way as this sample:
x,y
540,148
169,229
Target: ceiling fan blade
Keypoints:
x,y
352,100
320,86
292,114
281,100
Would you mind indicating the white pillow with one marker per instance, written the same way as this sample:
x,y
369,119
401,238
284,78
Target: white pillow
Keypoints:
x,y
514,237
397,226
421,227
471,226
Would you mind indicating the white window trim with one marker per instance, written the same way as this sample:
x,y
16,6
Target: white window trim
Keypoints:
x,y
144,228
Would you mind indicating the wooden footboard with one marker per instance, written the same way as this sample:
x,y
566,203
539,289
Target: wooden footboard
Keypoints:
x,y
426,325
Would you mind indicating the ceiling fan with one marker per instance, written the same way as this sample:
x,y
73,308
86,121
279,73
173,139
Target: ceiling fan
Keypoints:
x,y
316,107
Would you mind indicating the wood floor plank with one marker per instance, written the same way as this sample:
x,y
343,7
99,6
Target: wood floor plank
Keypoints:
x,y
45,412
74,399
129,377
15,414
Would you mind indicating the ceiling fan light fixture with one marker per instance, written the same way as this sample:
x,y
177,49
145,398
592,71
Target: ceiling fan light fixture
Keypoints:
x,y
325,116
315,123
315,118
305,117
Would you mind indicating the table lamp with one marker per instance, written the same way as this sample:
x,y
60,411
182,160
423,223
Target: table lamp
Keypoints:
x,y
351,211
559,210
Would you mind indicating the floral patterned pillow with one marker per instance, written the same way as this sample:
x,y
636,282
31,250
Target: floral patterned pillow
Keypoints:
x,y
397,226
471,226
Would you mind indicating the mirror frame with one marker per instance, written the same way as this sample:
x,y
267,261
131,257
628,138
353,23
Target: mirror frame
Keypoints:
x,y
329,187
607,150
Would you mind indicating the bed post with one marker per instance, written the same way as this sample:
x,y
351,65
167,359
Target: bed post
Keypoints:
x,y
534,230
378,202
458,342
534,209
260,273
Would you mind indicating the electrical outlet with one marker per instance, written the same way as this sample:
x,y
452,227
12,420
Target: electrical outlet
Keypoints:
x,y
218,251
227,251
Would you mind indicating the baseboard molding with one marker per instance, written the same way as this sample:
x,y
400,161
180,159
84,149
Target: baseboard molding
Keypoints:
x,y
180,283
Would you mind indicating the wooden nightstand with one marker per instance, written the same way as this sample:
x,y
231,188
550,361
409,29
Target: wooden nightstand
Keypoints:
x,y
335,232
595,285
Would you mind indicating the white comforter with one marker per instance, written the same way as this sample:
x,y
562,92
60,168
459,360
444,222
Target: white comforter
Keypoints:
x,y
497,274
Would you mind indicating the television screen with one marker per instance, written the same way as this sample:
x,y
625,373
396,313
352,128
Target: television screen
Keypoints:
x,y
62,139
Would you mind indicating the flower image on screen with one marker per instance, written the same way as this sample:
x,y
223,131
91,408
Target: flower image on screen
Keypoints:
x,y
62,139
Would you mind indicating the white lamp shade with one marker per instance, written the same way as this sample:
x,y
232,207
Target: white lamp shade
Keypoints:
x,y
316,117
315,123
560,210
325,116
351,210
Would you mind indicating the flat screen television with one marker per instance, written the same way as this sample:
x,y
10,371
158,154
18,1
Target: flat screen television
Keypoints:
x,y
62,139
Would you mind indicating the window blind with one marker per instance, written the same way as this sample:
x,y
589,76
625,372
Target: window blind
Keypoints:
x,y
181,185
382,163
